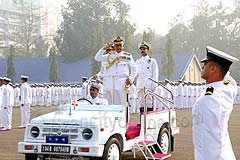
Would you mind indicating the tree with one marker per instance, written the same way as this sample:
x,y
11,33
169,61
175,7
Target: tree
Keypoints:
x,y
40,47
148,35
11,72
168,64
54,73
82,18
27,33
215,25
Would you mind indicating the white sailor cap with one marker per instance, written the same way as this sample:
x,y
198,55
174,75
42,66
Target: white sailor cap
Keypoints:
x,y
84,77
6,79
220,57
144,45
95,86
24,76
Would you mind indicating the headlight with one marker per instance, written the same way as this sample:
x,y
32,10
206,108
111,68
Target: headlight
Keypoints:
x,y
35,132
87,133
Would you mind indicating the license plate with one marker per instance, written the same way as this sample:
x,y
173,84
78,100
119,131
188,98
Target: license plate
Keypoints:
x,y
55,149
57,139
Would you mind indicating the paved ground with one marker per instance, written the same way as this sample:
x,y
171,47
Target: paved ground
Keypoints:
x,y
183,141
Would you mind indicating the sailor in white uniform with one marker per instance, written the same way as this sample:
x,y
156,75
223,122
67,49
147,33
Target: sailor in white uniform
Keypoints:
x,y
211,112
84,87
7,104
94,95
26,101
1,95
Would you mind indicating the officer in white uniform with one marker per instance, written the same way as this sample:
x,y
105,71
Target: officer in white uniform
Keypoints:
x,y
94,95
1,95
48,96
211,112
146,67
7,104
84,87
120,71
26,101
16,95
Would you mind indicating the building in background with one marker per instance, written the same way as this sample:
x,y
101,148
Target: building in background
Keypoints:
x,y
44,18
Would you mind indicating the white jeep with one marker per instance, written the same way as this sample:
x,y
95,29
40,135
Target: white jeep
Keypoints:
x,y
98,132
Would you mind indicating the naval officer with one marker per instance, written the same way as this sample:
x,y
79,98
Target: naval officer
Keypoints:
x,y
211,112
120,71
146,67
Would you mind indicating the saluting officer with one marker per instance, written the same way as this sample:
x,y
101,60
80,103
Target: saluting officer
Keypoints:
x,y
211,112
7,104
146,67
1,95
26,101
120,71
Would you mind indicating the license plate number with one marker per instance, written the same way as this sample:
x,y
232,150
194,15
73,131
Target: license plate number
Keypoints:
x,y
55,149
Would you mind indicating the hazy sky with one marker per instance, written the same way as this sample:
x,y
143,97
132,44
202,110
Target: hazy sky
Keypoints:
x,y
157,14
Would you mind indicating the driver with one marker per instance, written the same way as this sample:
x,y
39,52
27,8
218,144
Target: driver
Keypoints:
x,y
94,95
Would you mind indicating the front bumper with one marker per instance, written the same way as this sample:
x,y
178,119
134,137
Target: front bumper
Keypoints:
x,y
75,149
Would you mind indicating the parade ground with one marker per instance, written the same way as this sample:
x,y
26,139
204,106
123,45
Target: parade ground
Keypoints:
x,y
183,141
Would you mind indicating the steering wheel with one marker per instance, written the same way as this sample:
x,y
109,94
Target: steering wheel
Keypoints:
x,y
84,99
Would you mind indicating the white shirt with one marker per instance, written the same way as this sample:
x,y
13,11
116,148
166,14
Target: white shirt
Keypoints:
x,y
116,75
98,101
26,93
146,67
210,115
8,96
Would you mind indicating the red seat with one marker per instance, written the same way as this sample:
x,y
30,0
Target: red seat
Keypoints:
x,y
133,131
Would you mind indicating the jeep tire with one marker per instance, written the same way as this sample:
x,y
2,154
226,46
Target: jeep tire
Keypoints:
x,y
31,156
112,150
164,140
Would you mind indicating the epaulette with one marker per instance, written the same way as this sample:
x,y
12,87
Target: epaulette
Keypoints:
x,y
126,53
226,82
209,91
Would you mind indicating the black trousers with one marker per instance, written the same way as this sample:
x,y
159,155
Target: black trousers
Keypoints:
x,y
148,109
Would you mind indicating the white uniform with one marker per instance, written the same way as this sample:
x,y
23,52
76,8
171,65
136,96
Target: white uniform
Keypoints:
x,y
185,96
16,96
1,95
132,98
26,101
238,95
210,115
48,96
84,90
7,105
98,101
232,84
146,67
34,96
180,96
120,66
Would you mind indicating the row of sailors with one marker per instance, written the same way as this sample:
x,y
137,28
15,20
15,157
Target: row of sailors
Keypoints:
x,y
184,93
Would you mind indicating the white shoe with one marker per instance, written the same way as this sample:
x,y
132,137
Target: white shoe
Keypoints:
x,y
5,129
21,126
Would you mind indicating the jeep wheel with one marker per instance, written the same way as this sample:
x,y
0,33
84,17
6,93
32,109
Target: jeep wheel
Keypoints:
x,y
164,140
31,156
112,150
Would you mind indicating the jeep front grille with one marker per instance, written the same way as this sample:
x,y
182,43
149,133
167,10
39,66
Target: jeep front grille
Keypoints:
x,y
73,133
